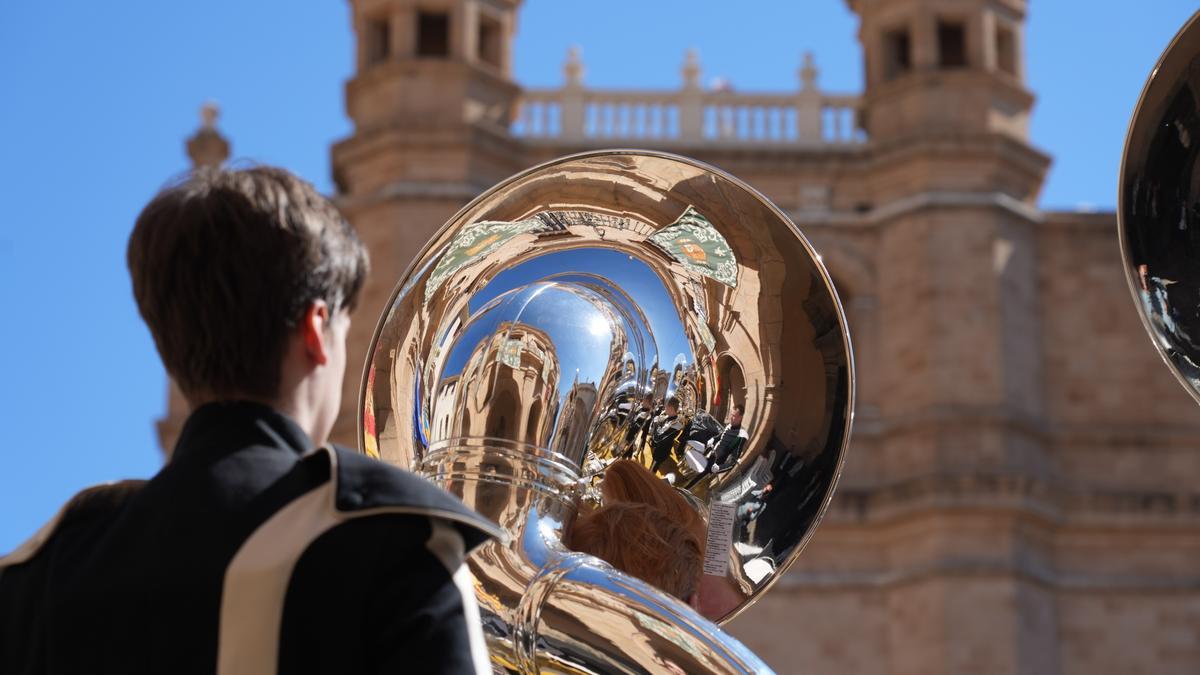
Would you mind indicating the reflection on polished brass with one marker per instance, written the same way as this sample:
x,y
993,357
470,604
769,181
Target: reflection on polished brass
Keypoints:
x,y
605,306
1158,211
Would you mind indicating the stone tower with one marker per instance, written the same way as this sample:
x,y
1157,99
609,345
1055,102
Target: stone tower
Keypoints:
x,y
952,183
921,55
431,100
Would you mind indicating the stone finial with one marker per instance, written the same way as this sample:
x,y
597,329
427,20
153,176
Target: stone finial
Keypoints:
x,y
207,147
808,73
209,112
573,67
691,70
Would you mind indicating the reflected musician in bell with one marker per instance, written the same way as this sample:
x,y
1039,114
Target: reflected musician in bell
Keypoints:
x,y
725,449
258,548
635,432
664,432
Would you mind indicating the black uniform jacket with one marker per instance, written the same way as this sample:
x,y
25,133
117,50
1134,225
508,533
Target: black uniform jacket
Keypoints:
x,y
250,552
729,445
664,430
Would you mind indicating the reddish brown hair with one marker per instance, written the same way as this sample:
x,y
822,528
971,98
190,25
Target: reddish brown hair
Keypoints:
x,y
627,481
644,542
645,528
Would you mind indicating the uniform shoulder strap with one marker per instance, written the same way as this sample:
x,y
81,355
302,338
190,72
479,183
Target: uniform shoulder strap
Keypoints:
x,y
366,486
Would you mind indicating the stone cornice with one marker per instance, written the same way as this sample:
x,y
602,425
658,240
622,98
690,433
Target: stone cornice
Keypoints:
x,y
363,143
1082,220
921,81
915,203
983,568
1096,434
923,201
413,189
958,145
1052,501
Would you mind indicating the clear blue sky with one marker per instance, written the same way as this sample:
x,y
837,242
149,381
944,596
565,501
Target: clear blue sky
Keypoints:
x,y
97,98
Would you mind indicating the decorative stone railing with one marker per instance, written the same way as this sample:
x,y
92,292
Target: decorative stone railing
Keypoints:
x,y
690,115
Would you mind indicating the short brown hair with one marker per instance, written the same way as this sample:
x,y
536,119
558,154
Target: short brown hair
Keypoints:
x,y
224,265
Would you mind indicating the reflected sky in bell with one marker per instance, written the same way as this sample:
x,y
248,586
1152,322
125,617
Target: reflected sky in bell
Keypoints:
x,y
578,332
624,271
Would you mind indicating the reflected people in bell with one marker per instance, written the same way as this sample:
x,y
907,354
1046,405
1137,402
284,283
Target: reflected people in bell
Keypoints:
x,y
1156,298
639,426
723,451
664,431
752,507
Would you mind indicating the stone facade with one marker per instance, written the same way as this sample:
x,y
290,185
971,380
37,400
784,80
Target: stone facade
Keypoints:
x,y
1020,494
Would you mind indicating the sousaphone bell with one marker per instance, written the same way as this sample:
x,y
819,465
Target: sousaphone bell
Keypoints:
x,y
526,348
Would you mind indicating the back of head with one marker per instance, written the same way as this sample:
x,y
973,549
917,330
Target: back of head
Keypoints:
x,y
225,264
642,541
628,481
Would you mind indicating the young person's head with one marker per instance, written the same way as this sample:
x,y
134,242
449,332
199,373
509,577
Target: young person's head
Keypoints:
x,y
735,414
672,407
644,528
645,542
626,480
246,280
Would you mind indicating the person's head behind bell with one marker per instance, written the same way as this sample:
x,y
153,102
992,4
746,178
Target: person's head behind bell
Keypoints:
x,y
246,279
642,541
644,528
628,481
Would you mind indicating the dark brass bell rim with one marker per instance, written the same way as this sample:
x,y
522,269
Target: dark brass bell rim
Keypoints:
x,y
1170,67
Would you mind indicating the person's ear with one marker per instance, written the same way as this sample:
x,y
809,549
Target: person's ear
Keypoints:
x,y
312,331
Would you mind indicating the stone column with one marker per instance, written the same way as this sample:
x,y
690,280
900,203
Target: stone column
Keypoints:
x,y
808,104
691,104
573,110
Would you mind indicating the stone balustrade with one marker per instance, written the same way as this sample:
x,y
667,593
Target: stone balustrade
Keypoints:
x,y
690,115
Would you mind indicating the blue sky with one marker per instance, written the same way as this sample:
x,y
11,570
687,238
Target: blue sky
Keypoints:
x,y
98,98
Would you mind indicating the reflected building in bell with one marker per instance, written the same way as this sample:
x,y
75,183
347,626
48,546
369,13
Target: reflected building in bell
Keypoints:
x,y
1019,495
507,389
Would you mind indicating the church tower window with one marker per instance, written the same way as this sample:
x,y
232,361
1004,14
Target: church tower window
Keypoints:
x,y
952,44
1006,50
433,34
378,41
490,46
897,49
